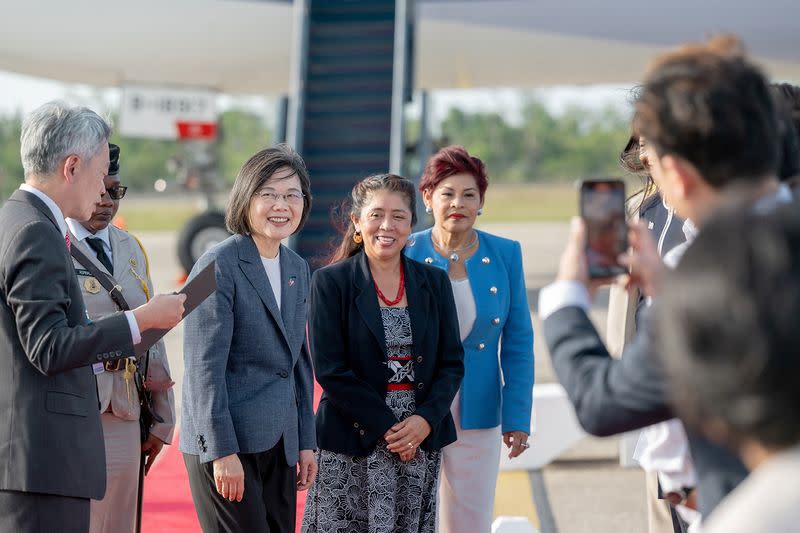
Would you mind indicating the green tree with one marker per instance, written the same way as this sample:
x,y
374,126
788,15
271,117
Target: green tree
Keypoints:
x,y
577,144
10,164
243,134
142,161
490,137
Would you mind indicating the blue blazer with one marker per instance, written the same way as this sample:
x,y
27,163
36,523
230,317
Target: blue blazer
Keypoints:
x,y
501,302
248,378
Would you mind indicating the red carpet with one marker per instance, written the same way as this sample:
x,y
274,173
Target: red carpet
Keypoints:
x,y
168,503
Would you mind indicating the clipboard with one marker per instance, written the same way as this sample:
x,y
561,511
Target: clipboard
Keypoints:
x,y
196,291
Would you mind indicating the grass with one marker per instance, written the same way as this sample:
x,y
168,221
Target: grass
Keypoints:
x,y
139,215
504,203
530,203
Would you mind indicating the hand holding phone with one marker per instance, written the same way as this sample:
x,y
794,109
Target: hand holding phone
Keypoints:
x,y
602,207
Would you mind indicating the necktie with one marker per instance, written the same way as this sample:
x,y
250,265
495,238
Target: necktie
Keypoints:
x,y
67,241
96,244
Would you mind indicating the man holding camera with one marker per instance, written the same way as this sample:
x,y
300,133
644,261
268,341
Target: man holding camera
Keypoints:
x,y
711,123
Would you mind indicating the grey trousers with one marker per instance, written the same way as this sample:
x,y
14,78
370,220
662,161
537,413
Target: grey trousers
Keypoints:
x,y
31,512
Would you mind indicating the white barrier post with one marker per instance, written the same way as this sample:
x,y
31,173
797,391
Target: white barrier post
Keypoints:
x,y
555,429
513,524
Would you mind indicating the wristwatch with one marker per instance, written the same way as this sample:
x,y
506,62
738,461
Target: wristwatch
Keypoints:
x,y
678,496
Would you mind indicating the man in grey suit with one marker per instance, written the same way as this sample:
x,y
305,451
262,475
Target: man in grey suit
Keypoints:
x,y
51,444
728,139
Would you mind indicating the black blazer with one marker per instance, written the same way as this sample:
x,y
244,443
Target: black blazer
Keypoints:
x,y
348,349
617,395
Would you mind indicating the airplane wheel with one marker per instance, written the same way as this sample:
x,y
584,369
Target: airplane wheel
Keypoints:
x,y
200,234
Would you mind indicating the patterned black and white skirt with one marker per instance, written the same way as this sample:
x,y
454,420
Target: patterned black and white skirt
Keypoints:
x,y
378,493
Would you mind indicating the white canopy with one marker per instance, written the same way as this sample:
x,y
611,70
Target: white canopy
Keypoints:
x,y
244,47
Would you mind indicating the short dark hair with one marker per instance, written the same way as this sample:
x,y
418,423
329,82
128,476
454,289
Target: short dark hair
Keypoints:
x,y
254,174
729,330
710,106
452,160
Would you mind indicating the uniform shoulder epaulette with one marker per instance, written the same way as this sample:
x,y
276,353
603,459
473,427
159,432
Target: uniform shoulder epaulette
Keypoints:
x,y
144,252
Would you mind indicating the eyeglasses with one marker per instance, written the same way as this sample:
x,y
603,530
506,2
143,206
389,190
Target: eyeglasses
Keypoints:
x,y
117,192
291,198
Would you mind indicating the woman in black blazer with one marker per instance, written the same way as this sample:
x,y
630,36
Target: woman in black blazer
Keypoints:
x,y
386,351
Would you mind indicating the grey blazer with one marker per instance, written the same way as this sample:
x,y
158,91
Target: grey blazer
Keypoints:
x,y
51,440
248,379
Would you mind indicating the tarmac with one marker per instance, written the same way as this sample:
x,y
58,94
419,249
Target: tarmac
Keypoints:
x,y
583,491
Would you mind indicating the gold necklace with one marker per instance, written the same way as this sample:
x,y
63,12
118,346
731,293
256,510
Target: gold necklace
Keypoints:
x,y
454,257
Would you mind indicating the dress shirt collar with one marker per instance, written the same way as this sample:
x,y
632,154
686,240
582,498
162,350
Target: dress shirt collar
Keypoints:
x,y
81,233
57,214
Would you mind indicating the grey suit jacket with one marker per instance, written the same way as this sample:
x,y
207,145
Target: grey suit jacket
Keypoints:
x,y
51,440
616,395
248,379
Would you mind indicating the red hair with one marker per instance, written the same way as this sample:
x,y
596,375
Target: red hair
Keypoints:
x,y
452,160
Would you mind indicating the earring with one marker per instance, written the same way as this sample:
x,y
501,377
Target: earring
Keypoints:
x,y
357,238
480,211
428,210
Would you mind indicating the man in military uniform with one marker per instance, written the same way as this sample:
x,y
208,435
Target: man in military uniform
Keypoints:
x,y
121,256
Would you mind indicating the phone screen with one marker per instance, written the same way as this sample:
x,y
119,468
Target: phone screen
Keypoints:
x,y
603,211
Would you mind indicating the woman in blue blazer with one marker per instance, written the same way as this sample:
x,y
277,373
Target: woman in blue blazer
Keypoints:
x,y
247,412
488,285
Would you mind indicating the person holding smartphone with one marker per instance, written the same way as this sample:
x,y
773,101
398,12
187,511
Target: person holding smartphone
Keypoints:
x,y
699,162
488,282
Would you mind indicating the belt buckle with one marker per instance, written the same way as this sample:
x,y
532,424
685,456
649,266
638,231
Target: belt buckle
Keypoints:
x,y
114,366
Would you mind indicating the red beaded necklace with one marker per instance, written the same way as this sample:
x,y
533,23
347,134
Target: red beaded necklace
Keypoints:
x,y
400,290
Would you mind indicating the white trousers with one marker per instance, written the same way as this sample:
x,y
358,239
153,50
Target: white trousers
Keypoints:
x,y
468,478
116,512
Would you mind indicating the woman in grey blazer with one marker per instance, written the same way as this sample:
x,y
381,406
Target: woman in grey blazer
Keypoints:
x,y
247,413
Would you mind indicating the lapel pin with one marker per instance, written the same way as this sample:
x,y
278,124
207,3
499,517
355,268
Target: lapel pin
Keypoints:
x,y
291,280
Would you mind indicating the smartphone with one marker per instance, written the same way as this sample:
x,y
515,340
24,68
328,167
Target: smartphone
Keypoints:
x,y
602,204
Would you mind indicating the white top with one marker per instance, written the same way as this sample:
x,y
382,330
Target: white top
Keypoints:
x,y
561,294
136,335
465,305
81,233
768,501
273,269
